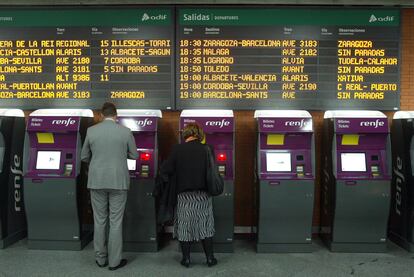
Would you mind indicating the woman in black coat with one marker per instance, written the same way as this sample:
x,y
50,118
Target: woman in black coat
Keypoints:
x,y
194,220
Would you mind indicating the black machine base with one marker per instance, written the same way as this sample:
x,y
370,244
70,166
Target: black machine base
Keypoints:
x,y
130,246
402,242
357,247
60,244
284,248
9,240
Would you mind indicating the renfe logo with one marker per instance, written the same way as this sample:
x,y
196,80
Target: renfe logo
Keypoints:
x,y
296,123
144,122
18,176
377,123
399,180
64,122
219,123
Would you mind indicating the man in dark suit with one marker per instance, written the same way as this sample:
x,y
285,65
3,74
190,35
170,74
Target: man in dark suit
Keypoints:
x,y
107,147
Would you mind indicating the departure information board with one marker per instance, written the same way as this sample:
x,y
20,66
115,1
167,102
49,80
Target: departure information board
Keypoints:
x,y
82,57
299,58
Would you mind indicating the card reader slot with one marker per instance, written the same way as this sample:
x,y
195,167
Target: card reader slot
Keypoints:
x,y
144,170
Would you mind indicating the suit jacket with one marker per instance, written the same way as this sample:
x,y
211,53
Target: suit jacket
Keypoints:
x,y
107,147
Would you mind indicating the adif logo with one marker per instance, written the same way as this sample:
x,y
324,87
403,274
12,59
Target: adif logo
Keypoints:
x,y
64,122
387,18
16,170
301,123
143,123
377,123
218,123
373,18
146,17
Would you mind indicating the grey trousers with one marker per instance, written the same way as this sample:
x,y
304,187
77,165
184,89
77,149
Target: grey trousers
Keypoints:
x,y
108,203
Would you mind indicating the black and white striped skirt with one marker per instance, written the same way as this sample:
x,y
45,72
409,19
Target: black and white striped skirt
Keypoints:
x,y
194,219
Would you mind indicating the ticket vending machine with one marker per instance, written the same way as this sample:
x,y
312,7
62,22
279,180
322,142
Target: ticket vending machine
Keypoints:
x,y
401,223
286,179
12,216
218,126
140,225
55,179
356,181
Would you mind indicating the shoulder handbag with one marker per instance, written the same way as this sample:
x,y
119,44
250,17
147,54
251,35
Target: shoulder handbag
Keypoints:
x,y
214,182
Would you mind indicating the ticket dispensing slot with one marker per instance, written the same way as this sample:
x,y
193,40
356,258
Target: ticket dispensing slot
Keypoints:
x,y
375,168
68,167
300,167
300,170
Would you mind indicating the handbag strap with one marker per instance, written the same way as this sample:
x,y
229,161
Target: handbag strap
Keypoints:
x,y
209,151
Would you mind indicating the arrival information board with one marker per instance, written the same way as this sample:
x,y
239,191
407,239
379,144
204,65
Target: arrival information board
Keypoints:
x,y
84,57
288,58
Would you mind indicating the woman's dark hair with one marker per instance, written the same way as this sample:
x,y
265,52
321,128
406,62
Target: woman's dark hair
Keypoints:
x,y
193,130
108,109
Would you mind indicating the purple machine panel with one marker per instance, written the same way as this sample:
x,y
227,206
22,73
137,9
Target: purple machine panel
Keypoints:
x,y
361,125
285,147
144,129
366,142
53,149
219,132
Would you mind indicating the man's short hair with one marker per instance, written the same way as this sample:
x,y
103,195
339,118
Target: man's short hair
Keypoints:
x,y
108,109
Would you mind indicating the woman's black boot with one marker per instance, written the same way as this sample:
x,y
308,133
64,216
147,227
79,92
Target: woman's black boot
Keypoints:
x,y
208,250
185,249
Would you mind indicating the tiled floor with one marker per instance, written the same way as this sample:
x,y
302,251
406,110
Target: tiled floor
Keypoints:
x,y
18,261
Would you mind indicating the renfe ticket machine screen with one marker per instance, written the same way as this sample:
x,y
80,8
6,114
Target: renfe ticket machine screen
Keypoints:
x,y
48,160
278,162
132,164
353,162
